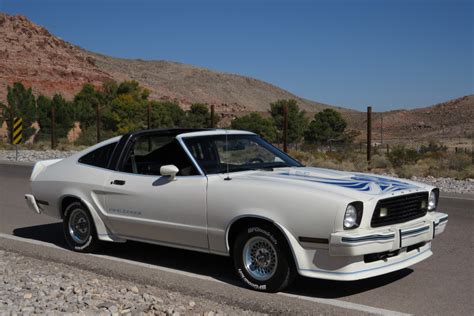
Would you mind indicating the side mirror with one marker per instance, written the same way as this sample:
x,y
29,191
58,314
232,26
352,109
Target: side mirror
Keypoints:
x,y
169,171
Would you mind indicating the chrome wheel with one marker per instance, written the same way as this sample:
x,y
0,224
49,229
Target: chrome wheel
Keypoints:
x,y
79,226
260,258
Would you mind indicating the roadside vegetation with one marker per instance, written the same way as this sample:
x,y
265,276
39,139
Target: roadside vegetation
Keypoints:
x,y
323,141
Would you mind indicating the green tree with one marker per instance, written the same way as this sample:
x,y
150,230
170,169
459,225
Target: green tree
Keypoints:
x,y
256,123
20,103
109,90
297,121
127,110
198,116
166,114
64,117
85,104
327,126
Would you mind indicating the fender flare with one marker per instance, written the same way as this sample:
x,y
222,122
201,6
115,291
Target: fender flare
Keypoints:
x,y
290,239
102,232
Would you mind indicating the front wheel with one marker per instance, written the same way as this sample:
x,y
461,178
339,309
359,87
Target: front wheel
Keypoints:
x,y
79,228
262,259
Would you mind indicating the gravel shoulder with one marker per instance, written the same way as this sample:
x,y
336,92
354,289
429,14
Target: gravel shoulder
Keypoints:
x,y
29,285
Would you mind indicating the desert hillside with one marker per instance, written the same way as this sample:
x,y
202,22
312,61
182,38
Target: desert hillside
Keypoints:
x,y
29,53
451,119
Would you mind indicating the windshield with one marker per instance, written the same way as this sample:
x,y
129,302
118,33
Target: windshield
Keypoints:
x,y
243,152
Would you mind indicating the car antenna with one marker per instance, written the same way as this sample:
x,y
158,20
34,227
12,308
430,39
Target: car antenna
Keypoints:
x,y
227,158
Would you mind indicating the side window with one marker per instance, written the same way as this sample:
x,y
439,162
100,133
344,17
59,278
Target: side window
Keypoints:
x,y
149,153
241,151
99,157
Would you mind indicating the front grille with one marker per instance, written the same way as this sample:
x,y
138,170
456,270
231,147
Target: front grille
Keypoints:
x,y
400,209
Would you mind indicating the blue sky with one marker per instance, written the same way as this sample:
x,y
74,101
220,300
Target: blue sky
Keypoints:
x,y
384,53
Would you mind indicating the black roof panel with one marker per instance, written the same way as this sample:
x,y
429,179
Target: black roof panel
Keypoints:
x,y
167,131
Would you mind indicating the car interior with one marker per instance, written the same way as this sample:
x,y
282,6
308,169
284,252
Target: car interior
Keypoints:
x,y
149,162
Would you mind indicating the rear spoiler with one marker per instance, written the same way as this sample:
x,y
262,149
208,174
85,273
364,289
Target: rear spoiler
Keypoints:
x,y
40,166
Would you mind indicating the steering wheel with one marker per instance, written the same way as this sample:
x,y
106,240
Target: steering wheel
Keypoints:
x,y
254,160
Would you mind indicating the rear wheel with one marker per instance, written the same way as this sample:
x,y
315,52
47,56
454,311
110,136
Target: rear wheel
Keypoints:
x,y
79,228
262,259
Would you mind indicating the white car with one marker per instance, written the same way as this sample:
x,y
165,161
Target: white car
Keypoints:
x,y
231,193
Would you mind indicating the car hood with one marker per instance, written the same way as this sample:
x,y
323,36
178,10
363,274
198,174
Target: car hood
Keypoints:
x,y
347,183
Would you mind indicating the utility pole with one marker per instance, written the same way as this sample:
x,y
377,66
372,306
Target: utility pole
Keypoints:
x,y
369,137
97,115
212,115
285,128
53,127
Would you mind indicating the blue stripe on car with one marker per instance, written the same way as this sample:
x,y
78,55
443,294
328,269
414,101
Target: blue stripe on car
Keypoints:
x,y
361,183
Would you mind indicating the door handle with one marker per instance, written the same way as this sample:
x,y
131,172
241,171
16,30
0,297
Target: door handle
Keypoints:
x,y
118,182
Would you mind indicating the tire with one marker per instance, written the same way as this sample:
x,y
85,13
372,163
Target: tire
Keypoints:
x,y
262,258
79,228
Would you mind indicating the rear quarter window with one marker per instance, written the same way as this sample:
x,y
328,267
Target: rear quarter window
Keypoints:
x,y
99,157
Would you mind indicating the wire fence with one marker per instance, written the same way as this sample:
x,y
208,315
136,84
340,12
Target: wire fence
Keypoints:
x,y
74,138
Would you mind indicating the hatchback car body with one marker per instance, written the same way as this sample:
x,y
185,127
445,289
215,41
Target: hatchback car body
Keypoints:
x,y
231,193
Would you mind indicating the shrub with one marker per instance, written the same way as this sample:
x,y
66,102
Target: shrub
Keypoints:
x,y
459,162
433,147
361,165
325,163
306,158
400,156
467,173
404,172
380,162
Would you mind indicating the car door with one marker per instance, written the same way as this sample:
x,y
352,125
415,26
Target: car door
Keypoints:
x,y
143,205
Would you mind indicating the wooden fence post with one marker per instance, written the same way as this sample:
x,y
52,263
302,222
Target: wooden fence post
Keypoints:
x,y
97,117
285,128
212,116
53,127
369,137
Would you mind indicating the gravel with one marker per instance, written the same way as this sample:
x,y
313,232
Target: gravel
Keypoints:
x,y
33,286
34,155
448,184
445,184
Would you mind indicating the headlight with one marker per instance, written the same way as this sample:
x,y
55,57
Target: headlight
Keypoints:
x,y
353,215
433,200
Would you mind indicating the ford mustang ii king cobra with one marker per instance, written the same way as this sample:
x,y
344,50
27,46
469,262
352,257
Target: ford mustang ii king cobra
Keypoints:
x,y
231,193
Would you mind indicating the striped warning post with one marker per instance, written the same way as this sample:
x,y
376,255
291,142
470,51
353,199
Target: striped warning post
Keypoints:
x,y
17,130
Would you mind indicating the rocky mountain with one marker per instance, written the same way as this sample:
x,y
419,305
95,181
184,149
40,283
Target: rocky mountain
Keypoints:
x,y
29,53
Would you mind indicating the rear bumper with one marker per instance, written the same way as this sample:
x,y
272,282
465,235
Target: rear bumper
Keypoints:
x,y
32,204
364,254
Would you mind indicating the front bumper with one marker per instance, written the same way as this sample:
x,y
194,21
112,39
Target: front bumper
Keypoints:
x,y
347,256
391,238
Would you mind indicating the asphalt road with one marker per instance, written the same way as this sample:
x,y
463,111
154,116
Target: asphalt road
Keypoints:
x,y
440,285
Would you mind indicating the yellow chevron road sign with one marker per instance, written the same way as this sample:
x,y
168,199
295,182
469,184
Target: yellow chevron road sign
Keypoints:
x,y
17,130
